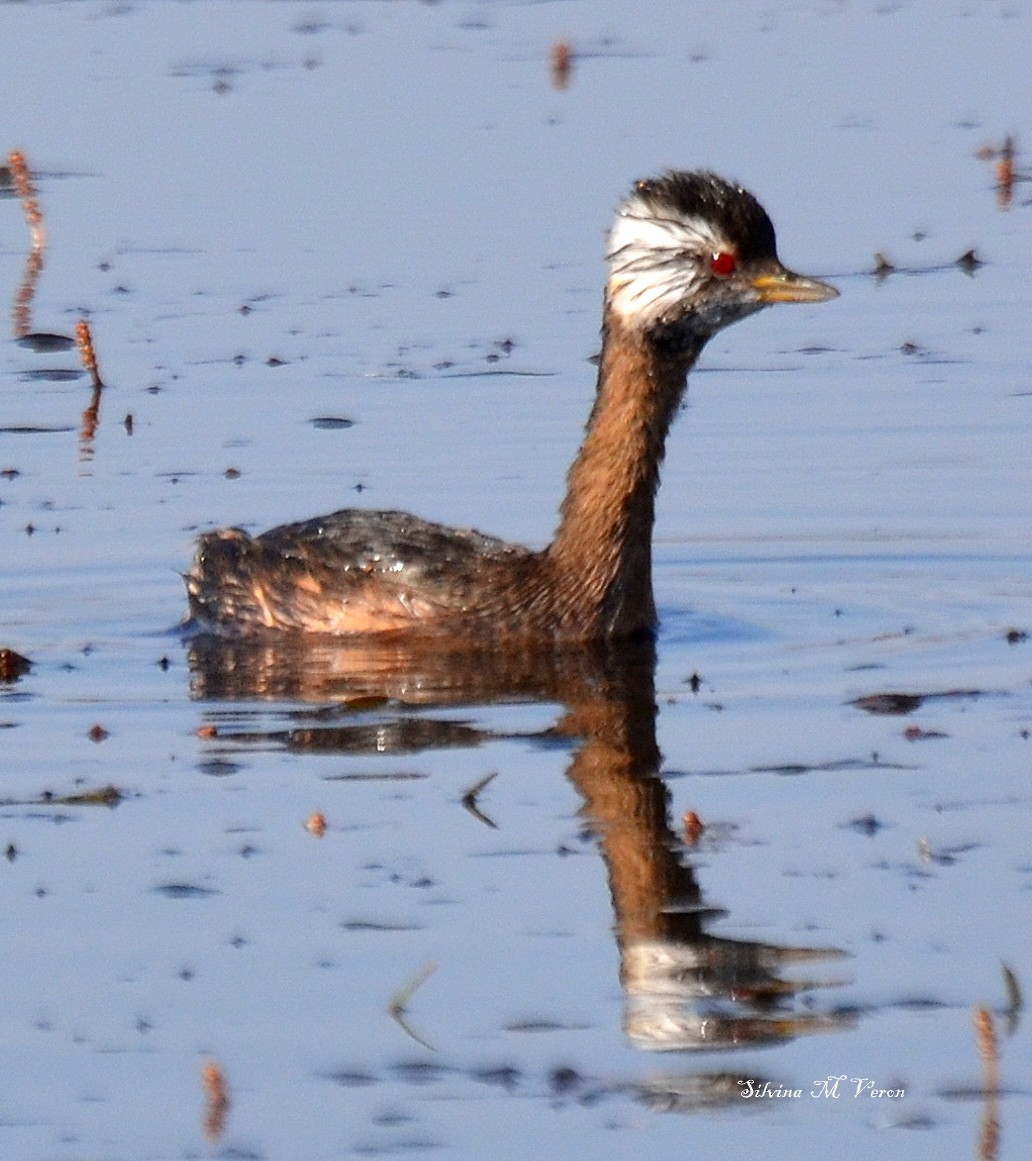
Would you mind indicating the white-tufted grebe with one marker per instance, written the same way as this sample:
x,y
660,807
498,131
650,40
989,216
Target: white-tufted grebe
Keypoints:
x,y
689,254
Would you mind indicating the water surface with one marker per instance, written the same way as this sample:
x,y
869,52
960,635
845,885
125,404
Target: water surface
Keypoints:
x,y
383,213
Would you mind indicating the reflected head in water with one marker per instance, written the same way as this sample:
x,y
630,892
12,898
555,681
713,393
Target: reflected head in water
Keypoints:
x,y
685,987
688,254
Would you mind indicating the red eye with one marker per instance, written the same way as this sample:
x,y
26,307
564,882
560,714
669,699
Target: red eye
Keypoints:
x,y
723,263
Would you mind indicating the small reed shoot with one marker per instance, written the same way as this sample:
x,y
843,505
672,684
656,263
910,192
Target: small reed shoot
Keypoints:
x,y
23,187
84,341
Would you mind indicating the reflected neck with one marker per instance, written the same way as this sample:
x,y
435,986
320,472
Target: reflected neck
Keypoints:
x,y
603,545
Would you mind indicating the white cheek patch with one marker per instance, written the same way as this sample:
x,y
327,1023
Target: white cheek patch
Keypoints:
x,y
656,262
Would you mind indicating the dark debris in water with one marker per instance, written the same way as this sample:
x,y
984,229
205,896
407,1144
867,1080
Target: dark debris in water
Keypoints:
x,y
377,925
979,1092
385,776
866,824
219,767
45,344
348,1078
793,769
469,800
918,734
944,856
892,702
101,796
13,666
872,763
52,375
968,262
184,891
502,1076
420,1071
1015,997
331,422
889,703
543,1025
35,429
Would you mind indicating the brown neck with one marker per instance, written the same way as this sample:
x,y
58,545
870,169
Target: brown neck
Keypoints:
x,y
602,549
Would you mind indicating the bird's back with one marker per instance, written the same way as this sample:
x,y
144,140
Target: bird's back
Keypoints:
x,y
350,572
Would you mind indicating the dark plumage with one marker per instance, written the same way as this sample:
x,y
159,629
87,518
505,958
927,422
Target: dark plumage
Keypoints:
x,y
706,195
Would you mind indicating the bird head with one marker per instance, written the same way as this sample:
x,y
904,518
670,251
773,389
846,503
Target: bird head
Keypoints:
x,y
692,253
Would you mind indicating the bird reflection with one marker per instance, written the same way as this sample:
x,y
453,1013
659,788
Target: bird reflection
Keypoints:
x,y
684,988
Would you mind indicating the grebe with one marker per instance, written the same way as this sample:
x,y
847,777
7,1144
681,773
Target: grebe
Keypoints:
x,y
688,254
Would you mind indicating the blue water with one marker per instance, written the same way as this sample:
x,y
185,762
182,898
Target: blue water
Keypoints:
x,y
385,213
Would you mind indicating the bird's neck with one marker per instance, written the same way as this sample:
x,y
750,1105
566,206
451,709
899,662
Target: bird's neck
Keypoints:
x,y
602,550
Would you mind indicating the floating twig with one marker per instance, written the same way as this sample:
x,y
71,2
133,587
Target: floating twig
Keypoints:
x,y
469,800
1015,999
399,1004
401,998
